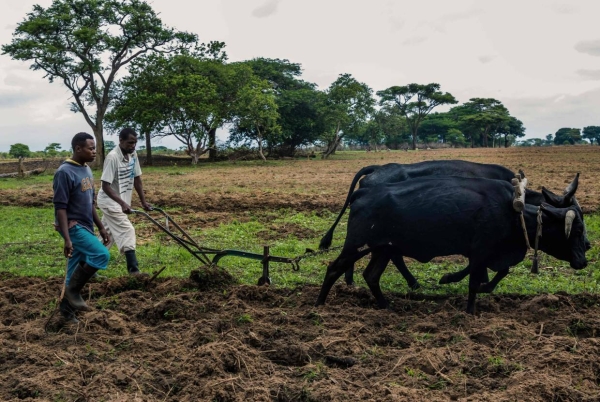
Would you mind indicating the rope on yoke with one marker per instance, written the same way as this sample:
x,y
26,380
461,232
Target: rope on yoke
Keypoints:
x,y
538,234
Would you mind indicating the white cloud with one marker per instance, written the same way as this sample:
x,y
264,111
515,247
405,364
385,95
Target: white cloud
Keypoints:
x,y
589,74
267,9
591,47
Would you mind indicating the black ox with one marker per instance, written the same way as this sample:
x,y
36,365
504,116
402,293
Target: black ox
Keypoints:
x,y
394,172
440,216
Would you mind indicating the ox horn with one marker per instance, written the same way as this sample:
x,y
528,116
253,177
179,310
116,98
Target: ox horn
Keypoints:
x,y
569,218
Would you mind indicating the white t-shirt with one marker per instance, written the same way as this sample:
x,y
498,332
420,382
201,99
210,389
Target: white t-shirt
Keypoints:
x,y
119,172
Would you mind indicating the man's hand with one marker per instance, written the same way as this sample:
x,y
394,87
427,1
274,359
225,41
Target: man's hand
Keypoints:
x,y
126,208
104,236
147,207
68,249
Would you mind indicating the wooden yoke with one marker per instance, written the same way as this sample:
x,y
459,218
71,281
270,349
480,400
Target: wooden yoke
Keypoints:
x,y
519,183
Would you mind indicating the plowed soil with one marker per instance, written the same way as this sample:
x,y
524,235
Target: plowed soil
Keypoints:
x,y
208,338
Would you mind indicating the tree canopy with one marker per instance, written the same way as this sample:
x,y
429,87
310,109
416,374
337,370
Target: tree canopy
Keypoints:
x,y
414,102
84,43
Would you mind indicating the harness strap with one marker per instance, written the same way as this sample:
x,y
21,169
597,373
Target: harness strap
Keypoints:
x,y
538,234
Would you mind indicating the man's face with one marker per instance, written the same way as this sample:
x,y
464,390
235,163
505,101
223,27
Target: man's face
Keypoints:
x,y
87,152
128,145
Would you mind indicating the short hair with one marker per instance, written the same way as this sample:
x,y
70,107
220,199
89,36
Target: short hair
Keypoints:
x,y
126,132
80,139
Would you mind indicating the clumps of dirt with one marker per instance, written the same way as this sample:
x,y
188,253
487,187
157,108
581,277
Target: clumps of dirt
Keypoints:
x,y
211,277
202,338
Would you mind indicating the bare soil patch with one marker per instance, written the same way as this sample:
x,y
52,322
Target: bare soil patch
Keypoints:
x,y
207,339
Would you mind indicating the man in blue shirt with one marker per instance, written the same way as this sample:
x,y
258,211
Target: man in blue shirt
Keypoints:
x,y
75,216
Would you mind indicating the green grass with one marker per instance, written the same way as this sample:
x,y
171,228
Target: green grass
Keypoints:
x,y
30,247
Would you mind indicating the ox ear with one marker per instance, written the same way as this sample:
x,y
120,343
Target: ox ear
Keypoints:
x,y
553,199
571,189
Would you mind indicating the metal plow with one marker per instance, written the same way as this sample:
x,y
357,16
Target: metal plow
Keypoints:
x,y
211,256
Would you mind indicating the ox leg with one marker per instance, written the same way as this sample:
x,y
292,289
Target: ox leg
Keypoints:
x,y
477,276
489,287
349,276
459,276
372,275
412,282
334,271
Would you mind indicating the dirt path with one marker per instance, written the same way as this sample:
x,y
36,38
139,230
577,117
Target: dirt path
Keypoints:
x,y
206,339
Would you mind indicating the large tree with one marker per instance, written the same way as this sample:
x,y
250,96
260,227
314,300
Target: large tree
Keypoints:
x,y
142,99
85,43
349,104
567,135
414,102
256,114
592,133
481,119
299,103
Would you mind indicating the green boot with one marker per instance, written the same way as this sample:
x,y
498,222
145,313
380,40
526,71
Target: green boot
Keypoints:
x,y
67,312
80,277
132,264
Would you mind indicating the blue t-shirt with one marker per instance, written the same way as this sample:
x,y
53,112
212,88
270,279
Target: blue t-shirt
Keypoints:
x,y
73,186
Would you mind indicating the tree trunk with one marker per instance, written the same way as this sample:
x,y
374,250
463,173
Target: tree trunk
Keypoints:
x,y
148,149
100,154
212,144
414,139
332,147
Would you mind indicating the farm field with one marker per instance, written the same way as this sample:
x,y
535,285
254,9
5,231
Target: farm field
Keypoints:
x,y
200,333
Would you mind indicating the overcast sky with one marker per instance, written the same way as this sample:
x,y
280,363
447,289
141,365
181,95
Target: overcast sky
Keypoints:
x,y
540,58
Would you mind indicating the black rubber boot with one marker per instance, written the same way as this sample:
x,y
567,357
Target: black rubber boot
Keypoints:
x,y
80,277
67,312
132,263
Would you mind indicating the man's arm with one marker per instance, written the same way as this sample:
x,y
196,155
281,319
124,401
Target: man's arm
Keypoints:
x,y
63,224
100,226
112,194
139,188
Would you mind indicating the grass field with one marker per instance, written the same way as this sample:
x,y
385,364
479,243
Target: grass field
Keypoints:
x,y
287,205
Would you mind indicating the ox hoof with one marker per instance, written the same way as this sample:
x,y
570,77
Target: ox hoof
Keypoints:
x,y
415,286
485,288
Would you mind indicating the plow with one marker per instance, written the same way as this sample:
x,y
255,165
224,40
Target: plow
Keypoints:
x,y
211,256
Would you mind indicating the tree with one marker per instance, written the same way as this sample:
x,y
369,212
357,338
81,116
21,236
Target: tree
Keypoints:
x,y
256,114
19,150
349,104
513,128
299,103
142,101
85,43
592,133
567,135
414,102
52,149
435,127
482,118
455,137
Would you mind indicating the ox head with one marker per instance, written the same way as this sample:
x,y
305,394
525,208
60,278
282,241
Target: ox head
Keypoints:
x,y
563,235
567,200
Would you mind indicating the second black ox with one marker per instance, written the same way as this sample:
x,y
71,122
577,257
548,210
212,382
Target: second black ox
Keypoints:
x,y
440,216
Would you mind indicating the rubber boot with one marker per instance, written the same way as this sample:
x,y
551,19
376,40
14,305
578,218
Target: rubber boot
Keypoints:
x,y
80,277
67,312
132,263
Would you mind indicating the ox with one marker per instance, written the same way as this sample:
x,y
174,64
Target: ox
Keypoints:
x,y
394,172
440,216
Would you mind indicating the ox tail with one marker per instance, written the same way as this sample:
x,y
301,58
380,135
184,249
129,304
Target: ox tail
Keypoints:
x,y
326,240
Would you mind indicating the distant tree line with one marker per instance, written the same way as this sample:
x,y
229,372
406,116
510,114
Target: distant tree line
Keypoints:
x,y
565,136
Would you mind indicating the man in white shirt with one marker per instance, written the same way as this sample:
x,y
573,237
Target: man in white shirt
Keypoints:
x,y
121,174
